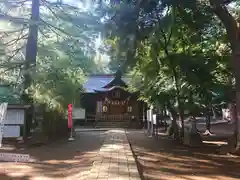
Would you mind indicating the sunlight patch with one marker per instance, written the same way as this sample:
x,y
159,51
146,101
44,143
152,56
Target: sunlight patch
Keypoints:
x,y
15,170
116,131
215,142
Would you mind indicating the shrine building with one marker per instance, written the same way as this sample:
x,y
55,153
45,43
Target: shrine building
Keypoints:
x,y
108,103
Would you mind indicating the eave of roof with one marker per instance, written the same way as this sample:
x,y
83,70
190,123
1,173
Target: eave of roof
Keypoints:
x,y
97,82
108,89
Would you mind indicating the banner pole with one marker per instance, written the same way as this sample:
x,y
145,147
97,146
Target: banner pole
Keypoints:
x,y
70,122
71,135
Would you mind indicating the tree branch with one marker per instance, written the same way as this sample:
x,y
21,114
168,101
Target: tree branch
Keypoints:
x,y
15,52
14,19
228,21
10,68
14,1
15,41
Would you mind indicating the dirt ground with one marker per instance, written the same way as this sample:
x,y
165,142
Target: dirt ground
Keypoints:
x,y
158,159
60,160
163,159
219,128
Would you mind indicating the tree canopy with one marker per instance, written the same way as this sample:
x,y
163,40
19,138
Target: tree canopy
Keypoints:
x,y
65,48
180,51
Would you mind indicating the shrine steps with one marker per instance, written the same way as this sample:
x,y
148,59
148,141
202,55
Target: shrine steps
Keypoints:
x,y
112,124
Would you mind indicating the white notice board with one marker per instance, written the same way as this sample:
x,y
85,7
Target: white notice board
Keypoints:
x,y
3,110
14,116
78,113
154,119
9,157
148,115
11,131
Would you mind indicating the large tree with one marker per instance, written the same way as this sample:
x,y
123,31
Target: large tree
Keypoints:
x,y
192,29
39,33
25,28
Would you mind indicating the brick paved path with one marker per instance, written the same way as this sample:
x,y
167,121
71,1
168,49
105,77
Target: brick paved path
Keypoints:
x,y
94,155
115,160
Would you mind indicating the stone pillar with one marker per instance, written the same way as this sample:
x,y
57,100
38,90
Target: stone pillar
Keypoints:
x,y
148,122
151,120
155,124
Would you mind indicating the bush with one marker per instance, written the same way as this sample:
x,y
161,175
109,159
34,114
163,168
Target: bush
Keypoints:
x,y
54,125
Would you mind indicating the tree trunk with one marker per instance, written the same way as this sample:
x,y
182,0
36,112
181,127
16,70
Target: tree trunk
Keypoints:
x,y
231,112
208,121
174,129
30,58
214,113
174,126
176,83
164,115
178,100
208,113
233,31
31,47
236,65
181,117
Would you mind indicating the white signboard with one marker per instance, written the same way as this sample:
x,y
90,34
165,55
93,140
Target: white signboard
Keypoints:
x,y
78,113
3,110
11,131
154,119
14,116
149,115
14,157
226,114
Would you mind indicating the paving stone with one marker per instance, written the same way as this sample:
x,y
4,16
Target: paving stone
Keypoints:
x,y
115,160
93,176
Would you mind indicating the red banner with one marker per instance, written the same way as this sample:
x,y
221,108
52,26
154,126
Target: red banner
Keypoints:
x,y
69,115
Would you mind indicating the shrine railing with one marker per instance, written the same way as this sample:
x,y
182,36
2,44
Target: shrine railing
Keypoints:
x,y
112,117
92,119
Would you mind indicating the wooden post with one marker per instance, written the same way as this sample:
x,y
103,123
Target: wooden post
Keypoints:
x,y
24,126
147,123
143,117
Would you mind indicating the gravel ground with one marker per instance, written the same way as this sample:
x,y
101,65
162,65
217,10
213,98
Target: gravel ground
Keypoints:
x,y
163,159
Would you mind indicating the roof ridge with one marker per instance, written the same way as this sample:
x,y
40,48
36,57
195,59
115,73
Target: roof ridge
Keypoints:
x,y
105,75
101,75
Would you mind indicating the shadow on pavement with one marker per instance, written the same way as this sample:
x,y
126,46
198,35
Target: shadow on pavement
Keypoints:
x,y
58,160
163,159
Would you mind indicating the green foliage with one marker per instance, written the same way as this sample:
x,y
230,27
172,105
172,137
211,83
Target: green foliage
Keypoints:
x,y
57,82
180,52
66,50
